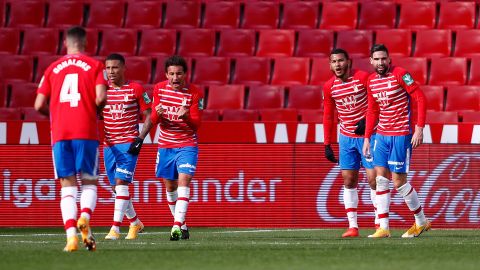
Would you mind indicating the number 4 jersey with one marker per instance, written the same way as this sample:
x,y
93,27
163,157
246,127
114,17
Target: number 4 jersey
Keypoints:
x,y
70,84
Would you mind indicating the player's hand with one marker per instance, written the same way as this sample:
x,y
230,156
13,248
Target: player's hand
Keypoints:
x,y
183,112
417,138
159,109
360,130
329,154
366,149
135,146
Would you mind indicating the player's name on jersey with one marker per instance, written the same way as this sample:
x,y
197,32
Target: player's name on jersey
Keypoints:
x,y
71,62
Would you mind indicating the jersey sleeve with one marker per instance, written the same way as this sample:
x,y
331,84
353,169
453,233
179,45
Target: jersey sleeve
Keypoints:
x,y
196,110
101,75
413,89
143,99
154,117
328,112
373,111
44,86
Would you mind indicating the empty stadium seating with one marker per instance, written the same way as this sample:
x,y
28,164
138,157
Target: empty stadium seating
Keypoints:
x,y
252,70
210,115
471,117
221,15
138,68
9,40
119,40
10,114
22,94
222,97
30,114
435,96
275,43
143,15
398,41
261,15
416,66
466,44
315,116
320,72
305,97
433,43
211,70
448,71
240,115
363,64
291,71
314,43
266,97
279,115
196,42
339,15
369,15
106,14
62,14
40,41
356,42
434,117
457,15
474,78
300,15
16,68
27,14
3,95
463,98
158,42
182,14
417,15
236,42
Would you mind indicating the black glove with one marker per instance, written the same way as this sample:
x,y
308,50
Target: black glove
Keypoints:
x,y
135,146
360,130
329,154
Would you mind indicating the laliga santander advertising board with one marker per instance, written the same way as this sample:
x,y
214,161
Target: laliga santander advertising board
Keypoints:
x,y
250,175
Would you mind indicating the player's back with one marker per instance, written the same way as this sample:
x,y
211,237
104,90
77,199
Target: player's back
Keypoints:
x,y
70,83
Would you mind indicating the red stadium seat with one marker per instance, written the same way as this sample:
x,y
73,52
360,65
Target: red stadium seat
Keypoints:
x,y
158,42
339,15
356,42
16,68
416,66
435,96
240,115
7,114
3,95
40,41
222,15
119,40
463,98
466,44
320,71
138,69
369,15
433,43
274,43
106,14
474,78
92,42
315,116
252,70
42,63
23,94
291,70
398,41
434,117
314,43
211,70
236,42
454,74
2,13
27,14
229,96
417,15
471,117
144,14
279,115
64,14
9,40
196,42
210,115
305,97
182,14
266,97
456,15
30,114
362,64
300,15
261,15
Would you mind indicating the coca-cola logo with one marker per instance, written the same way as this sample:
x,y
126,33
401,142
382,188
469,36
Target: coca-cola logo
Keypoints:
x,y
449,193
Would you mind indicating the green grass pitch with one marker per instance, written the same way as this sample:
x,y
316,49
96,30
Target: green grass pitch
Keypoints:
x,y
230,248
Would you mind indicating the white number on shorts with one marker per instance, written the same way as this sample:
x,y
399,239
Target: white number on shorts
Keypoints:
x,y
69,92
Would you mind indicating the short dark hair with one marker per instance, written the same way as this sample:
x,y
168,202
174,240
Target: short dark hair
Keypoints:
x,y
176,60
116,56
340,51
378,48
77,33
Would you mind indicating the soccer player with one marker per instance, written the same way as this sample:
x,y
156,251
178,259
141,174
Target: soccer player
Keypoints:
x,y
346,92
126,100
74,87
177,109
390,93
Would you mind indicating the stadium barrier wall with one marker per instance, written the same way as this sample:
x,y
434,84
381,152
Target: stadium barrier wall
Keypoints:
x,y
272,175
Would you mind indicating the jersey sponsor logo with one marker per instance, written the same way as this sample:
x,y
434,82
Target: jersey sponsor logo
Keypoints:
x,y
117,110
349,102
146,98
187,165
201,104
127,172
407,78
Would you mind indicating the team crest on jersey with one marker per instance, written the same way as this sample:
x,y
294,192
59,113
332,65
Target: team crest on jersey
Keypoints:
x,y
117,110
407,79
349,102
125,98
200,104
146,98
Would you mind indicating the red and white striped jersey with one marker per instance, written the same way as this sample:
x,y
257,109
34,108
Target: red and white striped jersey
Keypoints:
x,y
350,100
122,112
176,132
391,95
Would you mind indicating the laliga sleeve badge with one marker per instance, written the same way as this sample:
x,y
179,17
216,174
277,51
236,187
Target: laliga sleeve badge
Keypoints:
x,y
407,78
200,104
146,98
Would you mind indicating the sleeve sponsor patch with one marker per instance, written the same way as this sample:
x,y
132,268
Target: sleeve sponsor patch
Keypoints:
x,y
407,78
200,104
105,75
146,98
